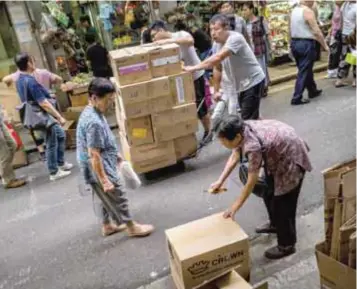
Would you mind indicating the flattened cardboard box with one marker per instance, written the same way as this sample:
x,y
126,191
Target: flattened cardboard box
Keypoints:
x,y
175,115
144,91
130,65
164,59
185,146
182,88
332,180
166,133
138,131
333,274
146,152
205,249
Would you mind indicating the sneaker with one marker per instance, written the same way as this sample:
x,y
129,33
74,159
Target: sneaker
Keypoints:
x,y
138,230
15,183
279,252
66,167
300,102
315,94
59,175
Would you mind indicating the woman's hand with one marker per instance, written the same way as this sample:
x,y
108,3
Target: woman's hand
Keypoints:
x,y
216,188
231,212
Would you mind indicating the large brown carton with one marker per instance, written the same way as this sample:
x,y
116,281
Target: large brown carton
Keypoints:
x,y
175,115
70,129
144,91
73,113
332,182
130,65
134,110
164,59
79,100
333,274
205,249
20,159
150,157
177,130
185,146
182,88
10,100
160,104
346,230
138,131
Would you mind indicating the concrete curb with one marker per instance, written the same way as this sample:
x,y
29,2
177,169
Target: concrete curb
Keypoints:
x,y
290,76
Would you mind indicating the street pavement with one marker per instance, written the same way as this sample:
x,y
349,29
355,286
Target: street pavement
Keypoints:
x,y
50,236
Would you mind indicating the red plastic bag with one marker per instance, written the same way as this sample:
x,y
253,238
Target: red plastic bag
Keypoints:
x,y
15,136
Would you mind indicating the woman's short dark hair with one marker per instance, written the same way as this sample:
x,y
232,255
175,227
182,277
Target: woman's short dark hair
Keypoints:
x,y
230,127
21,60
100,87
223,19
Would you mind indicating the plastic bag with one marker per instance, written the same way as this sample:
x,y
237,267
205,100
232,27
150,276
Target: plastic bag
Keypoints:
x,y
130,179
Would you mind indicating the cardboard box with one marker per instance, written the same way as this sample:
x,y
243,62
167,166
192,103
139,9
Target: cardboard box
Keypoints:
x,y
20,159
185,146
332,182
164,59
352,251
134,110
130,65
346,230
175,115
73,113
79,99
205,249
145,152
70,128
182,88
333,274
171,132
9,100
138,131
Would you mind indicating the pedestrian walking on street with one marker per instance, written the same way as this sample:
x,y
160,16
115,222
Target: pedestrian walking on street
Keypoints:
x,y
304,32
38,97
7,152
275,148
160,35
98,158
258,32
349,10
334,39
47,79
243,70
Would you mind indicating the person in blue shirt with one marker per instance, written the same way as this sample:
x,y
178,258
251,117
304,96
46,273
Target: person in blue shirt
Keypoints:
x,y
30,90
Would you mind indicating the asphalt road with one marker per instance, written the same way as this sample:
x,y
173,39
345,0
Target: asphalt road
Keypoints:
x,y
50,236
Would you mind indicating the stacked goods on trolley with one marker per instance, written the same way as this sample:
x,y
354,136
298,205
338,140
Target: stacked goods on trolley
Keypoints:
x,y
155,106
336,256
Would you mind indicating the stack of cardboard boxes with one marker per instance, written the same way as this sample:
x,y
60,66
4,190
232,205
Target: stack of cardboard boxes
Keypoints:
x,y
336,257
210,253
78,100
155,106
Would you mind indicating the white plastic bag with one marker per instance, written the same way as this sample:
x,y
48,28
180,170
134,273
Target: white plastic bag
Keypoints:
x,y
130,179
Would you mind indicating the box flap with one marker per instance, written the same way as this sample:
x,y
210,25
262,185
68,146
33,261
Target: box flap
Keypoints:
x,y
232,280
204,235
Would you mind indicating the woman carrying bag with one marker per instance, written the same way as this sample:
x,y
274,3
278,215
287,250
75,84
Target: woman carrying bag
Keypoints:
x,y
274,159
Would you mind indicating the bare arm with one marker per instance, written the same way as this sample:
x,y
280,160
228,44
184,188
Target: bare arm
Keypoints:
x,y
97,166
187,40
8,80
217,77
212,61
311,21
230,165
56,79
48,107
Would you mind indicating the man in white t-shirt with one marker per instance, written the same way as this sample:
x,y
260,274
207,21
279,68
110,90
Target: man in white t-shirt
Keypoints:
x,y
244,70
160,35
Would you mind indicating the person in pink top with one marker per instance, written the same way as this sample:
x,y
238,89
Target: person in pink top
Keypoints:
x,y
47,79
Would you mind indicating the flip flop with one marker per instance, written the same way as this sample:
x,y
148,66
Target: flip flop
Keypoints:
x,y
143,231
113,230
341,85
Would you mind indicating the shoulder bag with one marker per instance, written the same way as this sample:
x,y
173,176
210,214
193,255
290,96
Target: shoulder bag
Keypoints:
x,y
265,183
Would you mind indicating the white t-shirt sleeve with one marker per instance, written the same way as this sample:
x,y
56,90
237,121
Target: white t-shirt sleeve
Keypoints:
x,y
234,43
